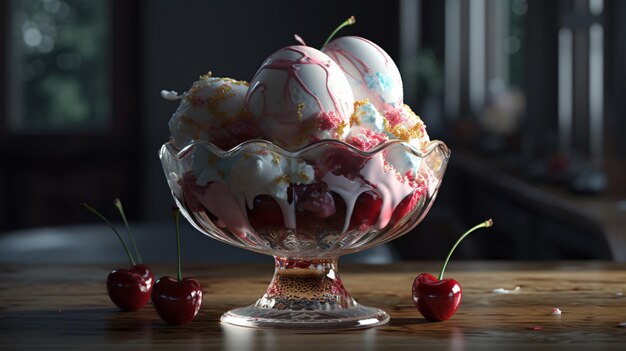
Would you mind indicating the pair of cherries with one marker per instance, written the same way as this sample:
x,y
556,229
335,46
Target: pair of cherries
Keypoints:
x,y
177,301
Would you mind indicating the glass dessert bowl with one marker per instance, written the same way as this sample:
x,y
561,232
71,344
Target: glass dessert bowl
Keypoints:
x,y
306,208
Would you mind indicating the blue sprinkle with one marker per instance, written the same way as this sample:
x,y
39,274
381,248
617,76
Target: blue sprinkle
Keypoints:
x,y
371,82
385,83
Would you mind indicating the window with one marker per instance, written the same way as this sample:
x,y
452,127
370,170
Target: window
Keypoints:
x,y
69,99
58,65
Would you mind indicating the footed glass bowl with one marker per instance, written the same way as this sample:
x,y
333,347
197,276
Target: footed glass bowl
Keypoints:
x,y
306,208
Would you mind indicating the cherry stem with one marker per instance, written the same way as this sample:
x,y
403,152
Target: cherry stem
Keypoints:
x,y
92,210
120,209
485,224
176,213
350,21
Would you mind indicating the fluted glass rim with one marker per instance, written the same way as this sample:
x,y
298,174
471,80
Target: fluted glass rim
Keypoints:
x,y
423,152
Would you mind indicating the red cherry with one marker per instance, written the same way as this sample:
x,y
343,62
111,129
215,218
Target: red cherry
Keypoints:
x,y
436,300
177,302
130,289
315,199
265,215
316,218
366,210
404,207
340,162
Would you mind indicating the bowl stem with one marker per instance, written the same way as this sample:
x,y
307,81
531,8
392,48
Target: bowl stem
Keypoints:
x,y
305,285
306,294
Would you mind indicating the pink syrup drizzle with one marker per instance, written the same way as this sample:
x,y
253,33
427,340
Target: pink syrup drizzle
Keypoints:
x,y
220,201
291,67
391,189
377,48
335,51
353,59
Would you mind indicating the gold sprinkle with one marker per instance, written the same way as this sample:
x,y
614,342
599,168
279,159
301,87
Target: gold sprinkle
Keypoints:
x,y
275,159
192,90
387,126
359,103
354,119
239,82
282,179
406,134
341,127
304,176
222,93
299,109
192,97
193,124
224,79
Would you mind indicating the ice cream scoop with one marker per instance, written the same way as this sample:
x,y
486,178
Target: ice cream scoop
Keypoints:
x,y
212,110
300,95
372,74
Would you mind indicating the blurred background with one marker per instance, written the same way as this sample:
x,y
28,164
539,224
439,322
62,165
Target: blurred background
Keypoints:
x,y
530,96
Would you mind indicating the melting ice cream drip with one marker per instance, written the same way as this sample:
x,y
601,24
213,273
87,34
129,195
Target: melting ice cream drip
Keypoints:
x,y
389,186
348,190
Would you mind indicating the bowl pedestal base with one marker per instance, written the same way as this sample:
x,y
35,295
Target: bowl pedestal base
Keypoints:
x,y
306,294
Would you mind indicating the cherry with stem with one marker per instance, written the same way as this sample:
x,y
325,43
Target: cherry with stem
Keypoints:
x,y
120,209
437,298
129,289
177,301
350,21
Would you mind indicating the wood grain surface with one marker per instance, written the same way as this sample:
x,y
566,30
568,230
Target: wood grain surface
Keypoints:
x,y
66,307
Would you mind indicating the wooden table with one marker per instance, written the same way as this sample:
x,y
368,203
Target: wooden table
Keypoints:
x,y
66,307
